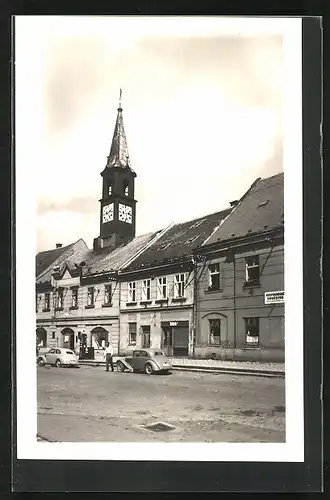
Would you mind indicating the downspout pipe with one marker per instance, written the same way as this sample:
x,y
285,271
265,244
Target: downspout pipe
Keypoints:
x,y
194,332
119,316
235,332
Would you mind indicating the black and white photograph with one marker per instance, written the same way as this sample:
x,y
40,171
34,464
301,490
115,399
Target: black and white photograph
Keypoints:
x,y
159,238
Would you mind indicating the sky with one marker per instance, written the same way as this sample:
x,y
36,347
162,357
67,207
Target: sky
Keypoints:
x,y
202,107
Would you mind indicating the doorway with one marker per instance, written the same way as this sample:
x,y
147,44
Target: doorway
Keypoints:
x,y
68,338
175,338
41,339
99,337
167,340
180,340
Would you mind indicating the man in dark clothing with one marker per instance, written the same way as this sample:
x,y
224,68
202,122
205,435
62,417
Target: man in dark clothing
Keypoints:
x,y
108,353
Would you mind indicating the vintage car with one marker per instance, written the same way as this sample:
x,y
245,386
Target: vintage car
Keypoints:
x,y
58,357
148,361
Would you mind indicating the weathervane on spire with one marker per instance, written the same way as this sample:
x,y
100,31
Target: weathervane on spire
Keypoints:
x,y
120,95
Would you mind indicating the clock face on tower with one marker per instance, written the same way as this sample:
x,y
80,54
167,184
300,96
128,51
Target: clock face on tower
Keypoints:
x,y
107,213
125,213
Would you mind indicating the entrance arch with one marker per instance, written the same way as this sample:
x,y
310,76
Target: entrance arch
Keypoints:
x,y
100,336
68,338
41,337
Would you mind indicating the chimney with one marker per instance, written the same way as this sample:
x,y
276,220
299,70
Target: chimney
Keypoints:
x,y
58,245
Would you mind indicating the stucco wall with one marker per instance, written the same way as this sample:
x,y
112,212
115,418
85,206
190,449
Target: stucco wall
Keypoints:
x,y
152,318
239,302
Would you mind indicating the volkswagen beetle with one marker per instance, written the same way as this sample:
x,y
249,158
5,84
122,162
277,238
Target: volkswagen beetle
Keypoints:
x,y
148,361
58,357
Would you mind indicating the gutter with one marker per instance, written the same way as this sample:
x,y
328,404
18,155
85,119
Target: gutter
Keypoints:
x,y
239,241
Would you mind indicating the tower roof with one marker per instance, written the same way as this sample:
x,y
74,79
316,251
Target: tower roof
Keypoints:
x,y
118,156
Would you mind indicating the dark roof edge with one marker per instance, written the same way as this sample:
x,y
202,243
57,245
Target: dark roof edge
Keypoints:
x,y
232,242
201,217
150,268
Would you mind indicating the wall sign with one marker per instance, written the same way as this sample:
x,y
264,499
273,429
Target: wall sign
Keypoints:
x,y
274,297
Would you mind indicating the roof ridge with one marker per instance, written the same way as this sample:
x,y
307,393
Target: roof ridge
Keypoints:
x,y
279,174
201,217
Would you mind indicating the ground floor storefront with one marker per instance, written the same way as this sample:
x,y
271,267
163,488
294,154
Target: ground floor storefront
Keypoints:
x,y
169,330
87,339
247,334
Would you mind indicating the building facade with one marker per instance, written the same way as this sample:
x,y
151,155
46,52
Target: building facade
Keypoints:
x,y
240,276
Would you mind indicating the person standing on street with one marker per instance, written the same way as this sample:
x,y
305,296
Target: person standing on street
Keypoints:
x,y
108,353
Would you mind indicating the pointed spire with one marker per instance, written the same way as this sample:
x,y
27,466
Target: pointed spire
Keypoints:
x,y
120,96
119,156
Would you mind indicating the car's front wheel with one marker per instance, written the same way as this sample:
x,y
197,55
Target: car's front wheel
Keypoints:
x,y
148,369
40,362
120,367
58,363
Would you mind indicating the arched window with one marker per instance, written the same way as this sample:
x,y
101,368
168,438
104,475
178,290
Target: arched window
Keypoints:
x,y
110,190
125,188
215,328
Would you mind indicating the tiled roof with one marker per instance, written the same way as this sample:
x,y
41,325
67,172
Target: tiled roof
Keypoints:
x,y
105,260
45,261
179,241
260,209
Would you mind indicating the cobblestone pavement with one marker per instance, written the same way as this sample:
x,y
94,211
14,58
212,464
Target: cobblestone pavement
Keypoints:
x,y
89,404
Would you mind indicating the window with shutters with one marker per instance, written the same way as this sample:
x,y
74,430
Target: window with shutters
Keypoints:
x,y
179,283
74,302
162,288
146,290
59,299
47,301
107,294
90,296
132,291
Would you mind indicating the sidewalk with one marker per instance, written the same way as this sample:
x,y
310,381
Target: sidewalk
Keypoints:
x,y
212,365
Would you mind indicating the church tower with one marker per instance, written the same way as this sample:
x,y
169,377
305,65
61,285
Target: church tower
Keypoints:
x,y
117,211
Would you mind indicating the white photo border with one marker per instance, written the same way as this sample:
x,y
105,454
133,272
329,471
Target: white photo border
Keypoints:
x,y
26,109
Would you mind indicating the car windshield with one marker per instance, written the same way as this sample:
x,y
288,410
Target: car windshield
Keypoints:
x,y
159,353
69,352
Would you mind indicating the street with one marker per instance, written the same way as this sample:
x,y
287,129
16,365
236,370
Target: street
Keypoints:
x,y
89,404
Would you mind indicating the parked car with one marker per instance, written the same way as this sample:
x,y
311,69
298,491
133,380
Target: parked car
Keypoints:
x,y
58,357
145,360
